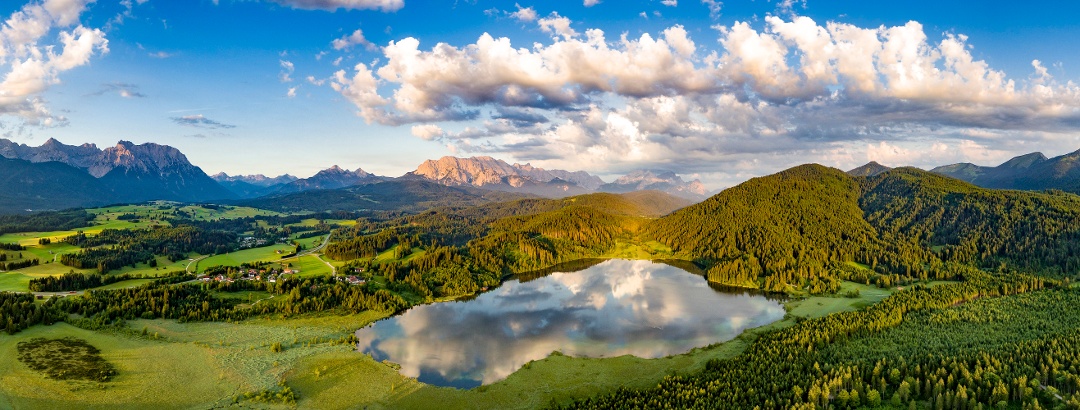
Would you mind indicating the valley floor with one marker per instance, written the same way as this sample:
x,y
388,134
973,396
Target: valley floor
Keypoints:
x,y
166,364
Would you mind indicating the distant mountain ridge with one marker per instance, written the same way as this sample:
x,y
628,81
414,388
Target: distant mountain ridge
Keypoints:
x,y
1032,171
490,173
663,181
334,177
256,179
127,172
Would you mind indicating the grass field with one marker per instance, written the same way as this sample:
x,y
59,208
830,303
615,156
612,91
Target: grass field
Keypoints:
x,y
125,284
263,254
310,265
151,374
818,306
190,365
18,281
14,281
225,212
634,250
388,255
195,211
31,238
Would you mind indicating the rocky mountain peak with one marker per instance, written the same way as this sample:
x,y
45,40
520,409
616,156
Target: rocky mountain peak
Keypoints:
x,y
148,157
337,170
487,171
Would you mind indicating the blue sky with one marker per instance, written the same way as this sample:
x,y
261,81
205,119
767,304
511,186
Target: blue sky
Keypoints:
x,y
718,91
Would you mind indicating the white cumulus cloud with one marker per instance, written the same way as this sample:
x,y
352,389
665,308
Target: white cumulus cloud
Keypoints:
x,y
524,14
557,25
38,43
427,131
356,38
777,92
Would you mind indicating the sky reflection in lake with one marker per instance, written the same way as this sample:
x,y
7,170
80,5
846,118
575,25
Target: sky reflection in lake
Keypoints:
x,y
615,308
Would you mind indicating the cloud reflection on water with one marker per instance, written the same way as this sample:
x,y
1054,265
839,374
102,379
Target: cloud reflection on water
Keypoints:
x,y
615,308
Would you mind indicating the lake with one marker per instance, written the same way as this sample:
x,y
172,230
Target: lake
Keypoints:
x,y
613,308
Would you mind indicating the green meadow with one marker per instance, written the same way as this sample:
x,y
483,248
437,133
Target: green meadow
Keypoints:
x,y
270,253
186,365
106,218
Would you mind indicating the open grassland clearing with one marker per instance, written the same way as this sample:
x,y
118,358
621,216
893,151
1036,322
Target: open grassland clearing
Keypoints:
x,y
16,281
125,284
149,374
312,242
243,352
635,250
249,297
29,239
204,213
177,365
818,306
270,253
19,280
309,265
389,255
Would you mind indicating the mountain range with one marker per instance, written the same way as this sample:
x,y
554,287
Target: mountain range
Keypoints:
x,y
664,181
477,172
55,175
1033,171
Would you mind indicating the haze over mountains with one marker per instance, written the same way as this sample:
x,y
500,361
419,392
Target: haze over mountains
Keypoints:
x,y
1033,171
498,175
55,176
1028,172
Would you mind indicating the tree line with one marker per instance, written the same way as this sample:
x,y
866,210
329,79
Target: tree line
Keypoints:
x,y
793,367
115,248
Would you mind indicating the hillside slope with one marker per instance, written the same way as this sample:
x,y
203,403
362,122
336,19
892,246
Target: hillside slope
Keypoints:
x,y
778,230
963,223
47,185
1030,172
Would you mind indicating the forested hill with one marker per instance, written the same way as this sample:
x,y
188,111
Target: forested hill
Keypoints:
x,y
810,223
773,230
1037,232
400,195
517,236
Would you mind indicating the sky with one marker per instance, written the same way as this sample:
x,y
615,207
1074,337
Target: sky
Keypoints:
x,y
717,90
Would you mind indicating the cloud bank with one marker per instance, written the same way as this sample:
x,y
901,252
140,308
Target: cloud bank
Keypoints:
x,y
38,43
784,93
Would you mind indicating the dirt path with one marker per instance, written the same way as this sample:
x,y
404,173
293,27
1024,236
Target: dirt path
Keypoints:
x,y
187,268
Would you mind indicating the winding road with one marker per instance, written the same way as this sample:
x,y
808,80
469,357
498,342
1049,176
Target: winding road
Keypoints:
x,y
315,251
193,261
